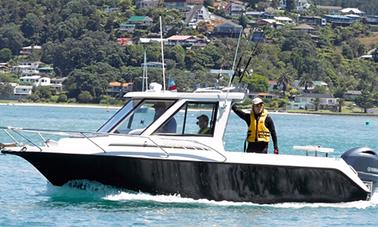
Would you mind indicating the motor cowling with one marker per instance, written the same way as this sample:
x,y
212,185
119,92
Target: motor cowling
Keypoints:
x,y
365,161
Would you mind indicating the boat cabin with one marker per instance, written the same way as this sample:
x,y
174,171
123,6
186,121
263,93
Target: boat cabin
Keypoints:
x,y
165,113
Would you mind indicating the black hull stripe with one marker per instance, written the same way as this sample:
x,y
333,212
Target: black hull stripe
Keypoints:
x,y
200,180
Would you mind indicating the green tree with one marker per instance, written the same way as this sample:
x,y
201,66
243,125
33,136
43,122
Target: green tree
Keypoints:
x,y
5,55
6,91
365,100
306,81
284,81
62,98
316,104
43,92
8,77
256,83
31,25
11,38
85,97
290,5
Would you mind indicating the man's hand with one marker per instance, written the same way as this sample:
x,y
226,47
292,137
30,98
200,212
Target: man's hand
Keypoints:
x,y
275,151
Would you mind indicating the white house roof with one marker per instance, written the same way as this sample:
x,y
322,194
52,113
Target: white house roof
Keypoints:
x,y
271,21
179,37
32,47
352,10
30,77
286,19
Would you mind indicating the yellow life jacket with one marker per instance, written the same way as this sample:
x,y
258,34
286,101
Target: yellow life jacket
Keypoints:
x,y
258,132
204,131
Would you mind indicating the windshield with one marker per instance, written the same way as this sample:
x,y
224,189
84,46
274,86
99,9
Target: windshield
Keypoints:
x,y
121,114
142,116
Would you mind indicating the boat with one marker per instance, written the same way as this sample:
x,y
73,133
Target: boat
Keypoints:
x,y
159,151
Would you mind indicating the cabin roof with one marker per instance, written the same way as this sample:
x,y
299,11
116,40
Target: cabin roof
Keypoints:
x,y
201,96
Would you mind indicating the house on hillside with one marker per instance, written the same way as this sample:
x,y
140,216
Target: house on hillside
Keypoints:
x,y
35,80
28,50
176,4
300,5
125,41
270,22
263,95
195,2
305,28
118,89
26,68
329,9
4,67
284,20
373,20
352,11
258,36
339,20
57,83
325,101
186,41
197,14
235,8
311,87
351,95
135,22
140,4
140,21
312,20
228,29
21,91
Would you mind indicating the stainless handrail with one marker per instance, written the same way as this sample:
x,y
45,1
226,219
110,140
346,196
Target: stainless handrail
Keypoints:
x,y
84,135
48,131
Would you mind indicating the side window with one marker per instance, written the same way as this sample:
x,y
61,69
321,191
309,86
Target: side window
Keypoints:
x,y
193,119
143,116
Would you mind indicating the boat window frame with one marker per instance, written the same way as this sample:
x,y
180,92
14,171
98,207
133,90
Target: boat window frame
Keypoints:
x,y
212,121
111,127
136,107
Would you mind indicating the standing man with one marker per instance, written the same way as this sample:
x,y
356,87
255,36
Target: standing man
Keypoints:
x,y
260,127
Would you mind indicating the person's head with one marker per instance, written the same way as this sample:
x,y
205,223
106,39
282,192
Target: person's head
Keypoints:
x,y
203,121
257,105
160,108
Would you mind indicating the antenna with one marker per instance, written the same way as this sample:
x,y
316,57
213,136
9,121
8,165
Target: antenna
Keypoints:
x,y
236,54
162,52
144,76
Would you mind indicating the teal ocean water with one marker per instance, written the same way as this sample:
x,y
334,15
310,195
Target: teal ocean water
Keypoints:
x,y
27,199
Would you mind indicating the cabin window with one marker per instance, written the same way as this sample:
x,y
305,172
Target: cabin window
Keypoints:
x,y
119,115
143,116
192,119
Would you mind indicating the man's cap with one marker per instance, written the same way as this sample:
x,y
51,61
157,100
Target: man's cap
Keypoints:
x,y
203,116
257,100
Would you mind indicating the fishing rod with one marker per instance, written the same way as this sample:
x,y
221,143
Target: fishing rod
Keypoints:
x,y
249,60
239,72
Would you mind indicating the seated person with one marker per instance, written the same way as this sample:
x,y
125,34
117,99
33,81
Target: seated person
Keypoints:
x,y
171,125
202,123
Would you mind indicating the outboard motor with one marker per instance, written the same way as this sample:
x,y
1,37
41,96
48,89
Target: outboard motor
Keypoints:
x,y
365,161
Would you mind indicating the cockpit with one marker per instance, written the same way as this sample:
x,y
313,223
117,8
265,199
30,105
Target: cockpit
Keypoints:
x,y
190,118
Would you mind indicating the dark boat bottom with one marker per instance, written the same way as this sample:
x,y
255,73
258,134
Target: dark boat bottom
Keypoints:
x,y
200,180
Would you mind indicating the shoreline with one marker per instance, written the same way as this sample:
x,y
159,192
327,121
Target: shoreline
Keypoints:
x,y
100,106
61,105
317,113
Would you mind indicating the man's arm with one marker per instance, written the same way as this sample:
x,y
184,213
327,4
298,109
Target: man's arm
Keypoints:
x,y
270,125
241,114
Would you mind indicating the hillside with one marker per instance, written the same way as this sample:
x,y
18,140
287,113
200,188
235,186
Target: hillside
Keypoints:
x,y
80,40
